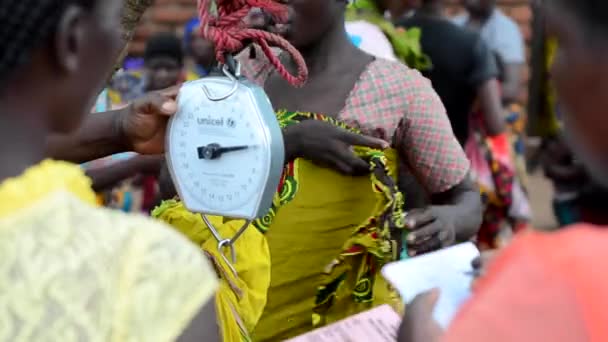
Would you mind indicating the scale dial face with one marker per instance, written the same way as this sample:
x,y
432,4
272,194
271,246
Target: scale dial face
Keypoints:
x,y
219,151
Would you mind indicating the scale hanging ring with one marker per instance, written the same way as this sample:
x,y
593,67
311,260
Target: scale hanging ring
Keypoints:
x,y
211,227
233,78
227,243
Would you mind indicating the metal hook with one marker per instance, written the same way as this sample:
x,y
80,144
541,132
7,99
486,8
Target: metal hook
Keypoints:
x,y
215,233
226,243
234,67
226,69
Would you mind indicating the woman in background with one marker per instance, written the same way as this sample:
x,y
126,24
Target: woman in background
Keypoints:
x,y
376,35
199,50
326,236
541,287
504,188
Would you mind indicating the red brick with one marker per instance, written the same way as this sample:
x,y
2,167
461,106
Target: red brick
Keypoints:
x,y
144,32
521,14
137,47
172,14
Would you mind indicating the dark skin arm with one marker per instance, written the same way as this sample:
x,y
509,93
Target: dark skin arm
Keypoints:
x,y
418,324
99,136
559,172
454,216
314,140
329,146
488,94
139,127
558,165
165,184
108,176
203,327
464,203
511,85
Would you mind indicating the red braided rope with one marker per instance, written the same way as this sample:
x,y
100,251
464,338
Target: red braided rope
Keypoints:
x,y
228,32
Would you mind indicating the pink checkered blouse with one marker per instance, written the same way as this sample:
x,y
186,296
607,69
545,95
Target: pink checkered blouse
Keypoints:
x,y
398,104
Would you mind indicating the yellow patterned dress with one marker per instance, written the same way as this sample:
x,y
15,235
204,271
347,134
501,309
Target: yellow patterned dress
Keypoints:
x,y
315,257
70,271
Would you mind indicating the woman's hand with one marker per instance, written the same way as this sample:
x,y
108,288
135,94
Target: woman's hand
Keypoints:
x,y
328,145
143,124
139,127
418,323
430,229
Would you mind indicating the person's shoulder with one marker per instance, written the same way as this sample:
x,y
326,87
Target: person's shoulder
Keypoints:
x,y
366,30
66,214
392,75
502,21
571,245
460,19
98,236
150,232
581,238
394,82
110,263
436,30
361,25
461,34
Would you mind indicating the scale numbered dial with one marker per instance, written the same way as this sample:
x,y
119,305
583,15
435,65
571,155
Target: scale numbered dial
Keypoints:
x,y
225,156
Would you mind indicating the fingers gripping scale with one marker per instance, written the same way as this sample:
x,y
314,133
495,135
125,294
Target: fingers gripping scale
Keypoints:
x,y
225,150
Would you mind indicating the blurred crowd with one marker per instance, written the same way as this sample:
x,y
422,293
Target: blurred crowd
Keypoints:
x,y
475,61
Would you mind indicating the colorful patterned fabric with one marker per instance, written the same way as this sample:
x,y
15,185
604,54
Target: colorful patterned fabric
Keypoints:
x,y
495,166
377,240
520,210
405,43
398,104
71,271
492,167
369,38
358,228
241,297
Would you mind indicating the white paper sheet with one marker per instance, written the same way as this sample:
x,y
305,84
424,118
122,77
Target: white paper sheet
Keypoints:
x,y
449,270
377,325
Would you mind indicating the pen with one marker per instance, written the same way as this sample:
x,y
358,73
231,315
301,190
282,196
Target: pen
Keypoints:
x,y
473,273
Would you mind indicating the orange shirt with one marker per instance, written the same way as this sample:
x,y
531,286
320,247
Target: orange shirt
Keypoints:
x,y
543,287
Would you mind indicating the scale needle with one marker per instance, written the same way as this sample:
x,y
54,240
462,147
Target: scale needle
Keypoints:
x,y
214,151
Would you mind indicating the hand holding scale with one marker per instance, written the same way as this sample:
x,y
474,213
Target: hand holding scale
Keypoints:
x,y
225,148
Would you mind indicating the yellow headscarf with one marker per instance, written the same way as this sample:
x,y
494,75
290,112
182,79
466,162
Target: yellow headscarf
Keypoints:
x,y
72,271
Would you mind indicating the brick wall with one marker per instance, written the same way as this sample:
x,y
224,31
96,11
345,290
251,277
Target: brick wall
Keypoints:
x,y
171,15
